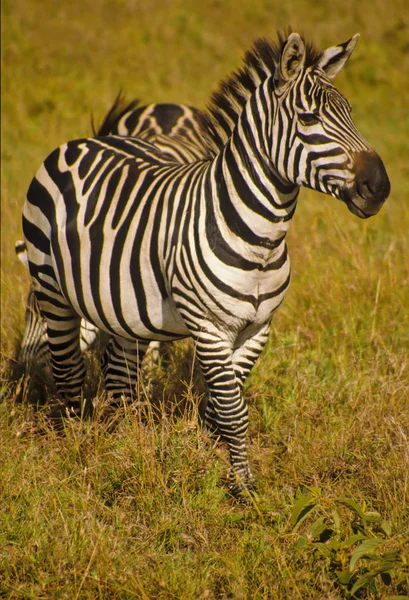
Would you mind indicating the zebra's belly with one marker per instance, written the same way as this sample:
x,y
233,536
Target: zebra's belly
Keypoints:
x,y
163,325
119,309
117,290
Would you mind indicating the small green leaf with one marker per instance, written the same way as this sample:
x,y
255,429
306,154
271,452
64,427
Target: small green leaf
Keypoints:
x,y
235,518
362,581
343,576
372,516
352,505
365,549
334,545
387,528
325,549
301,543
337,519
353,539
315,491
301,509
386,564
392,555
317,527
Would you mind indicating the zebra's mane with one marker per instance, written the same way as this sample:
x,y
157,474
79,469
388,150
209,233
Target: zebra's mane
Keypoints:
x,y
226,104
115,114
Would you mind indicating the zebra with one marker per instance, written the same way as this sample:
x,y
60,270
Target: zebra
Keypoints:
x,y
174,128
147,248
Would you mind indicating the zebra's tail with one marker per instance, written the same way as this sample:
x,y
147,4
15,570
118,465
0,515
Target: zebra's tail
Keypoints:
x,y
34,345
114,115
21,251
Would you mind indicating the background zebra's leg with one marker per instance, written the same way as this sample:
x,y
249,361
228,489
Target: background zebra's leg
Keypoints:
x,y
121,365
226,411
67,361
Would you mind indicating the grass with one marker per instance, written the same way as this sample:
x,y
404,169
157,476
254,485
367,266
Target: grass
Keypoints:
x,y
135,506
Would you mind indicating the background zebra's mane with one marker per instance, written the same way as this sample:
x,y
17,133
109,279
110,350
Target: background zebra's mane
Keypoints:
x,y
226,104
115,114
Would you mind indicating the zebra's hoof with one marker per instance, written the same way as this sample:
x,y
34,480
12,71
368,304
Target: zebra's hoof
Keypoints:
x,y
245,494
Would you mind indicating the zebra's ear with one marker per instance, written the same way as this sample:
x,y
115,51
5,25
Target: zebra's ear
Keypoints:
x,y
292,59
334,58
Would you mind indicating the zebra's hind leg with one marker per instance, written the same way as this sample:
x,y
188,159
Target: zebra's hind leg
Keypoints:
x,y
121,366
67,361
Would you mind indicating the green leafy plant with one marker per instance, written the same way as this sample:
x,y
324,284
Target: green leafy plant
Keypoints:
x,y
357,544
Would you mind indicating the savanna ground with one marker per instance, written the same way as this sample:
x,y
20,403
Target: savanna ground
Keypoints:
x,y
136,506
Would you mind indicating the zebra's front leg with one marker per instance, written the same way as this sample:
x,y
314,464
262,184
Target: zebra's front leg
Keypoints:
x,y
67,361
226,411
246,354
243,358
121,366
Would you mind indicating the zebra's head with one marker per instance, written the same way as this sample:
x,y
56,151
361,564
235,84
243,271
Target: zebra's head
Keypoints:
x,y
325,151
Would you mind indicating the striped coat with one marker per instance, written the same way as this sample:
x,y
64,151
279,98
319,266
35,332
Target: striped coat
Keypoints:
x,y
146,248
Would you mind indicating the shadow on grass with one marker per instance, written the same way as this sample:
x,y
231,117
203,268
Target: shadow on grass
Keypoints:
x,y
171,384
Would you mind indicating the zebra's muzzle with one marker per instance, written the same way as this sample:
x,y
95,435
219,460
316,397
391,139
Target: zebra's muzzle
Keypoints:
x,y
371,183
371,186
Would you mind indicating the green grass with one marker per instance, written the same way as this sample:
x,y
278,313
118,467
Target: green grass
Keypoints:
x,y
136,506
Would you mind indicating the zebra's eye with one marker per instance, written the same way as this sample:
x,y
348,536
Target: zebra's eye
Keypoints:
x,y
308,119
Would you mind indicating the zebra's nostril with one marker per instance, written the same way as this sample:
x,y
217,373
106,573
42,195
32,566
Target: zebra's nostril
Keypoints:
x,y
364,189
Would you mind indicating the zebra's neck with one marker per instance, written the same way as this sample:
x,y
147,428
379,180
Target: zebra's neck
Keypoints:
x,y
251,201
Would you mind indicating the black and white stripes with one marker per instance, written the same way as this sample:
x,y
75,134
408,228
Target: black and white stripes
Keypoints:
x,y
174,128
120,233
